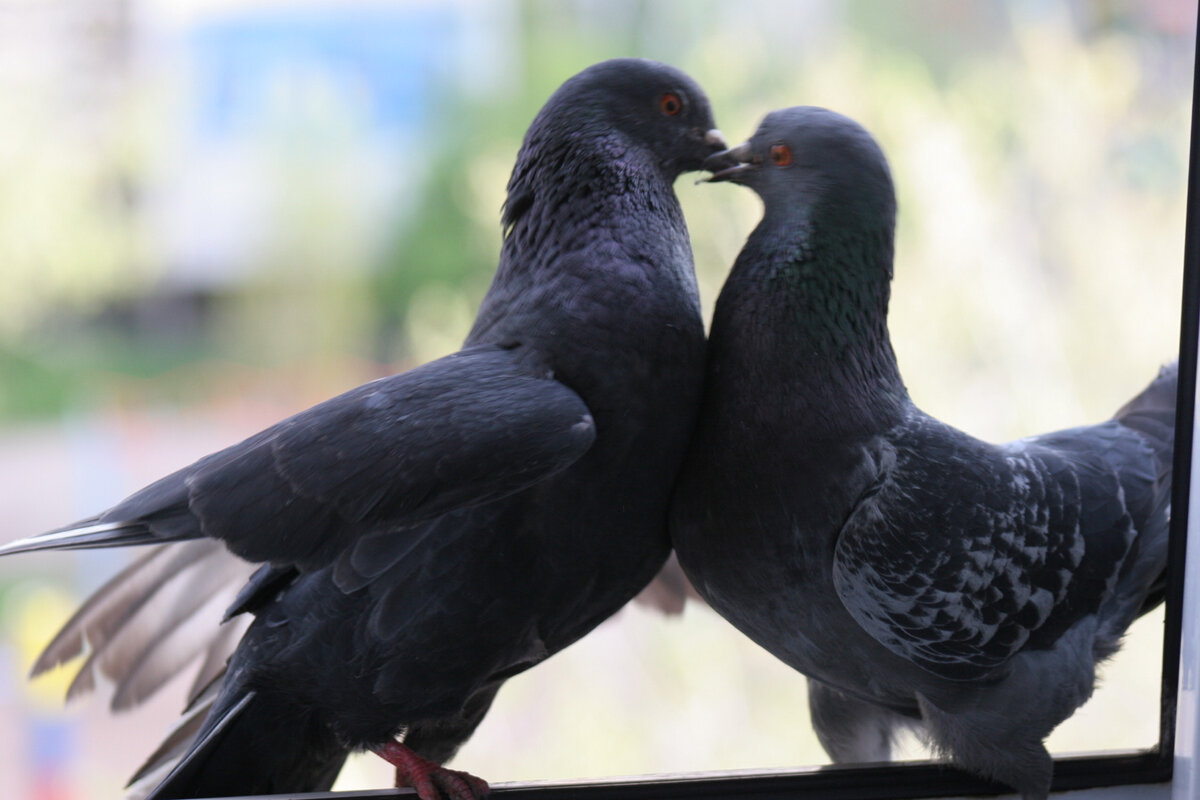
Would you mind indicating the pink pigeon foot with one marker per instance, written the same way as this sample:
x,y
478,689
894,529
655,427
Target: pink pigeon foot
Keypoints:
x,y
432,781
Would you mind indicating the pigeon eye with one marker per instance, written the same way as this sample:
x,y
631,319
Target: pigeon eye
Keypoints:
x,y
670,104
780,154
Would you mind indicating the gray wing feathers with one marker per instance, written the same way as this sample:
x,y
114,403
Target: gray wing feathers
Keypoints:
x,y
151,620
958,587
962,553
99,615
171,643
145,626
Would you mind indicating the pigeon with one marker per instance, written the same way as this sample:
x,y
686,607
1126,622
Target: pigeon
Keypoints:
x,y
425,536
917,575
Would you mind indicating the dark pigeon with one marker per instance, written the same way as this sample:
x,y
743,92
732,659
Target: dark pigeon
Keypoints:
x,y
917,575
428,535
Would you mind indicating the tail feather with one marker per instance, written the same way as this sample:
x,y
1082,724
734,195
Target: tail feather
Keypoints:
x,y
139,789
94,620
156,514
177,740
220,648
1152,413
89,534
1142,583
249,743
181,638
149,622
207,728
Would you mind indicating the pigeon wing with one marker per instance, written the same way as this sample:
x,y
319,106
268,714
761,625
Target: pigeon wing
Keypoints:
x,y
961,551
472,427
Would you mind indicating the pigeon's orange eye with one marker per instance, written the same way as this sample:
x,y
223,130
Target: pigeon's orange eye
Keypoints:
x,y
781,155
670,104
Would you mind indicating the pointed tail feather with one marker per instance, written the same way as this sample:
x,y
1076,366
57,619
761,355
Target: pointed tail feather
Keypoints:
x,y
177,644
1152,413
168,754
87,535
1142,584
153,619
216,656
250,743
94,620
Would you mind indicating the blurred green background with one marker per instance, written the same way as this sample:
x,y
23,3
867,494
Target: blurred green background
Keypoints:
x,y
213,214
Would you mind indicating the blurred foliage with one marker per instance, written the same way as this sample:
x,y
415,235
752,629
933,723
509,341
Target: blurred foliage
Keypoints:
x,y
1039,152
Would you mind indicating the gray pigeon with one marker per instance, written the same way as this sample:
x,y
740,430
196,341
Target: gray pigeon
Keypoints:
x,y
917,575
429,535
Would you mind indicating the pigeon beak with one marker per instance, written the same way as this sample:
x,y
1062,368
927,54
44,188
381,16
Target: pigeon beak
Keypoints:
x,y
715,138
730,165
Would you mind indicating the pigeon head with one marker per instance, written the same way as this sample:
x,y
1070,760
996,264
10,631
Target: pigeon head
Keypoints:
x,y
815,274
616,125
813,163
635,102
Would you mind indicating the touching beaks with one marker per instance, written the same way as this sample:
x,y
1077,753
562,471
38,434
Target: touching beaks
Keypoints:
x,y
728,164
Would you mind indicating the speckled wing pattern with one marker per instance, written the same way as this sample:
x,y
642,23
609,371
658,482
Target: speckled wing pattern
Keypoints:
x,y
962,553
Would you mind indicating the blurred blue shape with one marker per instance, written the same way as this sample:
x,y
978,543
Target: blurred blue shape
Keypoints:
x,y
394,56
53,743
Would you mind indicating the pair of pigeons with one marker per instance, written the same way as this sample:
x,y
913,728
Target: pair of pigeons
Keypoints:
x,y
428,535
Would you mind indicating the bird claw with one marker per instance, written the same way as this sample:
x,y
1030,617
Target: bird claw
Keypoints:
x,y
431,781
454,785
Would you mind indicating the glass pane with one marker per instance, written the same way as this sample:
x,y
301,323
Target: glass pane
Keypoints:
x,y
198,239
